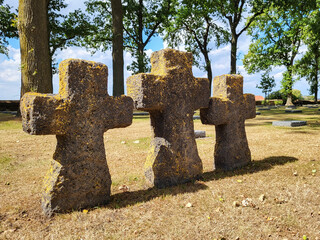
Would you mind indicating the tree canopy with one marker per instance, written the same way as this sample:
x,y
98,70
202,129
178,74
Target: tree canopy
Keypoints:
x,y
277,37
7,26
193,24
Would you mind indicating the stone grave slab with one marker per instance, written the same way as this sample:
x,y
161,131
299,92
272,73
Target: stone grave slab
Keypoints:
x,y
264,108
196,117
258,113
293,111
170,94
228,109
79,115
289,123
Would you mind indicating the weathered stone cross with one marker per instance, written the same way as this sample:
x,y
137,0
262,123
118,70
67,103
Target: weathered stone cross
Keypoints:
x,y
170,94
228,110
78,115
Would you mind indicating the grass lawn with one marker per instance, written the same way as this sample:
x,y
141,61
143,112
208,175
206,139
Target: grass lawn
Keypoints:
x,y
277,196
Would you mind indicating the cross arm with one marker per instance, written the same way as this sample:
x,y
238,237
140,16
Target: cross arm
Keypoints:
x,y
250,106
43,114
147,91
118,112
217,112
202,93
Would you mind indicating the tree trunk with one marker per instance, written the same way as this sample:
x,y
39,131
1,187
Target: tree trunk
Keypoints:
x,y
234,44
141,67
208,68
316,86
34,47
117,48
289,93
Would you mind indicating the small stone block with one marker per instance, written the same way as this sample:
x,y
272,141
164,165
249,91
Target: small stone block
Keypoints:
x,y
199,134
312,106
264,108
258,113
293,111
289,123
196,117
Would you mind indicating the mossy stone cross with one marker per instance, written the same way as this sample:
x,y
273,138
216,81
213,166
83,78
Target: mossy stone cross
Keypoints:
x,y
228,110
170,94
78,116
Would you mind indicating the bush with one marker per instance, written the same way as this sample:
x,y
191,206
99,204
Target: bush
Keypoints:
x,y
296,95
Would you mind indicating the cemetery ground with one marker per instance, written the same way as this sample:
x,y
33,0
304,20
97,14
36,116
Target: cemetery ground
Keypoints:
x,y
277,196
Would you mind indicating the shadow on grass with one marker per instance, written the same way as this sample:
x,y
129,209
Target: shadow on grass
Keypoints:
x,y
121,200
253,167
125,199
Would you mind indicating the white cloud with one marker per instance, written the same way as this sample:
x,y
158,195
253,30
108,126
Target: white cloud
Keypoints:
x,y
10,75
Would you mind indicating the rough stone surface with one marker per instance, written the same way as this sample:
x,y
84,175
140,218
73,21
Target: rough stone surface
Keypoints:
x,y
228,110
78,115
171,94
199,134
289,123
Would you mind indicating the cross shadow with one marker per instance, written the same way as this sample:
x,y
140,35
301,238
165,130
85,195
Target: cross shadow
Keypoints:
x,y
121,200
252,167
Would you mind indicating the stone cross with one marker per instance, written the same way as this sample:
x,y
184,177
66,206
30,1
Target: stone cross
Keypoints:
x,y
228,110
79,115
170,94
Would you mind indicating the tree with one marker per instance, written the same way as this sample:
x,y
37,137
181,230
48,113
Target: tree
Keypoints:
x,y
309,65
277,37
66,30
34,46
44,32
117,47
267,83
7,28
232,12
141,21
193,25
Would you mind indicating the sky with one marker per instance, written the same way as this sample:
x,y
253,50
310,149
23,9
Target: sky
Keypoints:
x,y
220,61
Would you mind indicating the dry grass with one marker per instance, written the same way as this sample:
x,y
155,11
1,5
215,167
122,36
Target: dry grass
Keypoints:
x,y
282,170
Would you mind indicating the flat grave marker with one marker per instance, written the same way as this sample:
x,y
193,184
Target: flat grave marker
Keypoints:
x,y
289,123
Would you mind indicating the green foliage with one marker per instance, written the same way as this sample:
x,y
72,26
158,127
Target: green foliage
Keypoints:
x,y
267,83
309,65
193,25
7,27
277,36
308,98
276,95
296,95
142,20
232,13
66,30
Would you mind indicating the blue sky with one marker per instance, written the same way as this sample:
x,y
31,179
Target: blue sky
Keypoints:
x,y
220,60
